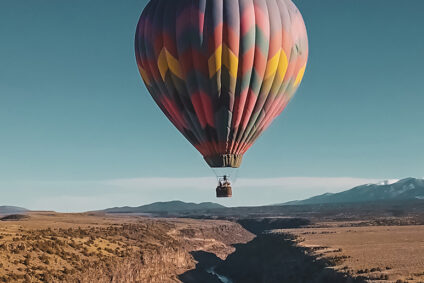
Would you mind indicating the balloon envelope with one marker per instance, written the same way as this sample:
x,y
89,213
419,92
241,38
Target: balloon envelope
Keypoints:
x,y
221,70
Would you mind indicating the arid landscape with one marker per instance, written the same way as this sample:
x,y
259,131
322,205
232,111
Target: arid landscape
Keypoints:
x,y
363,241
374,253
100,247
53,247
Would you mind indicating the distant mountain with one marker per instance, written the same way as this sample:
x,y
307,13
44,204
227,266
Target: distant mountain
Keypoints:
x,y
170,206
405,189
12,210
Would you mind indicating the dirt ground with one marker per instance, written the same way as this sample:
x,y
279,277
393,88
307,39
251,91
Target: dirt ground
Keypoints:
x,y
388,253
89,247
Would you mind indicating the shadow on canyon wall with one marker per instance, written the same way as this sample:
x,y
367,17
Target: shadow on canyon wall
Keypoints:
x,y
275,258
260,225
205,262
270,258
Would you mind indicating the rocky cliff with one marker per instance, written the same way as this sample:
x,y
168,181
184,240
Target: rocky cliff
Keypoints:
x,y
97,248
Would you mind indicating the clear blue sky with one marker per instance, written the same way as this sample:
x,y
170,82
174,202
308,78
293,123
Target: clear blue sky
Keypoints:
x,y
76,121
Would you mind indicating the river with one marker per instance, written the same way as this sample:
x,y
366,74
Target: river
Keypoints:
x,y
223,278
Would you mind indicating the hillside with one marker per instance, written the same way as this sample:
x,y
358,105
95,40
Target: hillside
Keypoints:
x,y
12,209
59,247
405,189
170,206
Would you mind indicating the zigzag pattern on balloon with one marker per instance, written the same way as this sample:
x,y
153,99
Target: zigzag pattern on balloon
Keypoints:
x,y
221,70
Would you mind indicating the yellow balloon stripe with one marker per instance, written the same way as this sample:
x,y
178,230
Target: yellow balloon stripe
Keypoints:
x,y
282,65
272,65
281,70
144,75
223,56
230,60
299,76
168,62
215,62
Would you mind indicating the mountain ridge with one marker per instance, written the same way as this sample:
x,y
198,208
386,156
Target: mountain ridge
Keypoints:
x,y
167,206
7,209
404,189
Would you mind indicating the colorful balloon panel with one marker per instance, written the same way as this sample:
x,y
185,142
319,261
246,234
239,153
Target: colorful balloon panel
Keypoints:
x,y
221,70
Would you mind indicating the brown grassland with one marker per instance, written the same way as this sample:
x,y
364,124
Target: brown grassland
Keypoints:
x,y
54,247
96,247
376,253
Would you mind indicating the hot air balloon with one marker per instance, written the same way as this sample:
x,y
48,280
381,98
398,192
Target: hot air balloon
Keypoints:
x,y
221,70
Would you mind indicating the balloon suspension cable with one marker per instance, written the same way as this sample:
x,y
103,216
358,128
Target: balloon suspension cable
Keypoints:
x,y
230,174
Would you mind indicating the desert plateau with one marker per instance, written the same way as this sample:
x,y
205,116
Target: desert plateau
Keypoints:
x,y
303,243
